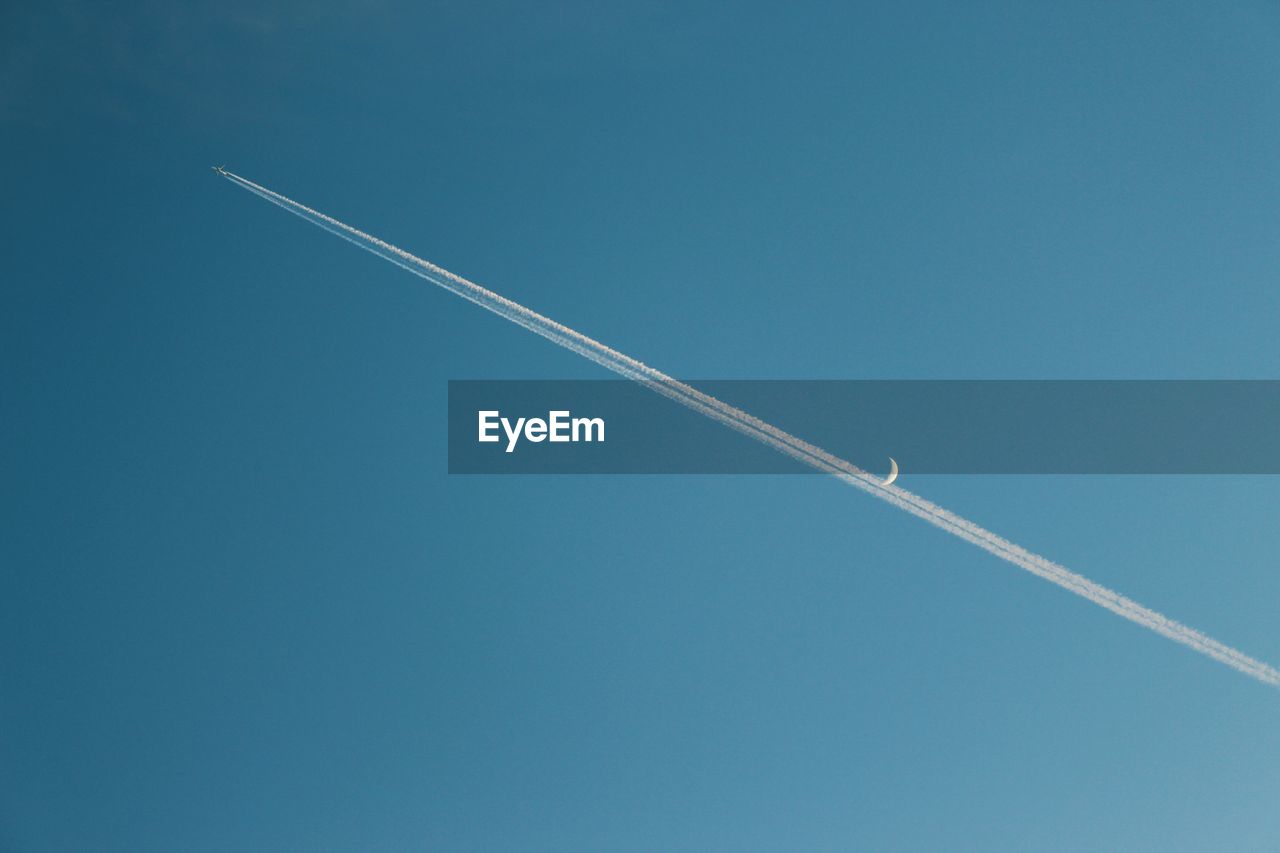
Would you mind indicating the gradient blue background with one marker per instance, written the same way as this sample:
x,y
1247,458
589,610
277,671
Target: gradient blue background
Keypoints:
x,y
243,607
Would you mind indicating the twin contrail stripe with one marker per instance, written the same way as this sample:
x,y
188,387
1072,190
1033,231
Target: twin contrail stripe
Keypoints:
x,y
778,439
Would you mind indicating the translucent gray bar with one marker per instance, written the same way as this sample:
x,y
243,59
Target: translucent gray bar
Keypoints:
x,y
930,427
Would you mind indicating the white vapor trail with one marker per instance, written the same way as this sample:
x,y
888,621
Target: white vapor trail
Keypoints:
x,y
782,441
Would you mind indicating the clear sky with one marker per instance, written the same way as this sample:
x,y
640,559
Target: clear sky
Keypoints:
x,y
244,607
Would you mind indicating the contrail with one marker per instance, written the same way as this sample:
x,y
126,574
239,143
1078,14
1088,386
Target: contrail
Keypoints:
x,y
778,439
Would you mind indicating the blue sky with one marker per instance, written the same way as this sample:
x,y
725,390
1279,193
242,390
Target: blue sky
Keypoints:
x,y
243,606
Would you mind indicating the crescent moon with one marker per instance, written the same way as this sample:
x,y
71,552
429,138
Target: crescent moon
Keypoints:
x,y
893,472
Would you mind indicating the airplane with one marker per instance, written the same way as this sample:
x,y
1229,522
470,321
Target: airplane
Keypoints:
x,y
221,170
